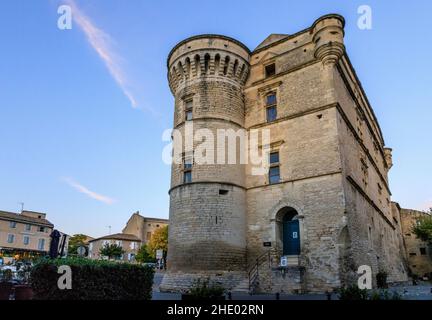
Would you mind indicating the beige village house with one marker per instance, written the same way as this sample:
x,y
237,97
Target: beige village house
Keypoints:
x,y
27,234
138,231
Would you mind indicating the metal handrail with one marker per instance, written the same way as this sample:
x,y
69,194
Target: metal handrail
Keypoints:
x,y
253,273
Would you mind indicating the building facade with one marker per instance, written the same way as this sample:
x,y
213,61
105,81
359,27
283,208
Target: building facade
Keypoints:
x,y
419,253
143,227
320,209
128,242
26,234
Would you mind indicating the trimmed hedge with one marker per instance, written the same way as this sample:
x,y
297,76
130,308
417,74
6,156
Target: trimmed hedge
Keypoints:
x,y
92,280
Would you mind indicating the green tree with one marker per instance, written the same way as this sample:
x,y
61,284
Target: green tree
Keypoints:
x,y
76,241
423,228
159,240
143,255
111,251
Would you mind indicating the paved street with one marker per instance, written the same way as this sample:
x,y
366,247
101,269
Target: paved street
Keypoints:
x,y
408,292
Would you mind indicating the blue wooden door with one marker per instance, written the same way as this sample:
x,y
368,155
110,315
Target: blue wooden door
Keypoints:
x,y
291,238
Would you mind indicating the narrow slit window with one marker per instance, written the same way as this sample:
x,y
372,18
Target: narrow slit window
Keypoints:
x,y
187,177
187,169
188,110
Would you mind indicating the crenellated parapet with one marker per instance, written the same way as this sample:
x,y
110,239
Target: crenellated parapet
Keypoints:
x,y
207,57
328,33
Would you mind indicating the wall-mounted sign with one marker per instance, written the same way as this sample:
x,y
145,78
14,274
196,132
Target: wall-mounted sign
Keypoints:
x,y
267,244
283,261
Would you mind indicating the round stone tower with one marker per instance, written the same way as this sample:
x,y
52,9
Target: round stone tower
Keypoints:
x,y
207,233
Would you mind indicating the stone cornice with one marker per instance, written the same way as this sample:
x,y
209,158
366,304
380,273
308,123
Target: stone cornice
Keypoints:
x,y
205,182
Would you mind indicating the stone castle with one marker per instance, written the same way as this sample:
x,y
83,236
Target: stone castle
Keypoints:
x,y
323,209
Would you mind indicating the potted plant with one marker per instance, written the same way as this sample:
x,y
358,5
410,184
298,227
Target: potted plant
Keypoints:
x,y
5,284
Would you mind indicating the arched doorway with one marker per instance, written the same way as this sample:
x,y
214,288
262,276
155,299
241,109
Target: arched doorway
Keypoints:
x,y
290,231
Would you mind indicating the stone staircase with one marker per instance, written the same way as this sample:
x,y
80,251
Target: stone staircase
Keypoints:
x,y
242,287
266,275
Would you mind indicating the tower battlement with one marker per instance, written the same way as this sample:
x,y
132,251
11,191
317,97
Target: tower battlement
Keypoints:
x,y
210,56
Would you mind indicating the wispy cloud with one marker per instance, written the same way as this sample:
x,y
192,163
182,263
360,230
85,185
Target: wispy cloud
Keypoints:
x,y
103,44
91,194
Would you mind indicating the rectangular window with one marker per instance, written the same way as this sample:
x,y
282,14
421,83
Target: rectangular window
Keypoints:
x,y
26,240
271,99
187,169
274,175
423,251
11,238
271,110
12,224
187,177
148,237
274,157
41,244
188,110
28,227
274,172
271,114
270,70
187,163
41,229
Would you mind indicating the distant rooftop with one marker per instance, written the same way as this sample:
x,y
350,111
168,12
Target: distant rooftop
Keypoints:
x,y
118,236
26,217
151,218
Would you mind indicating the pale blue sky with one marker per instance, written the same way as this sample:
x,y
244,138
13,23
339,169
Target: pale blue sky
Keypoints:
x,y
71,144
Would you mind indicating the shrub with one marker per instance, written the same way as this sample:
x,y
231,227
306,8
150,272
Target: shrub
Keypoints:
x,y
206,290
384,295
352,292
381,278
92,280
